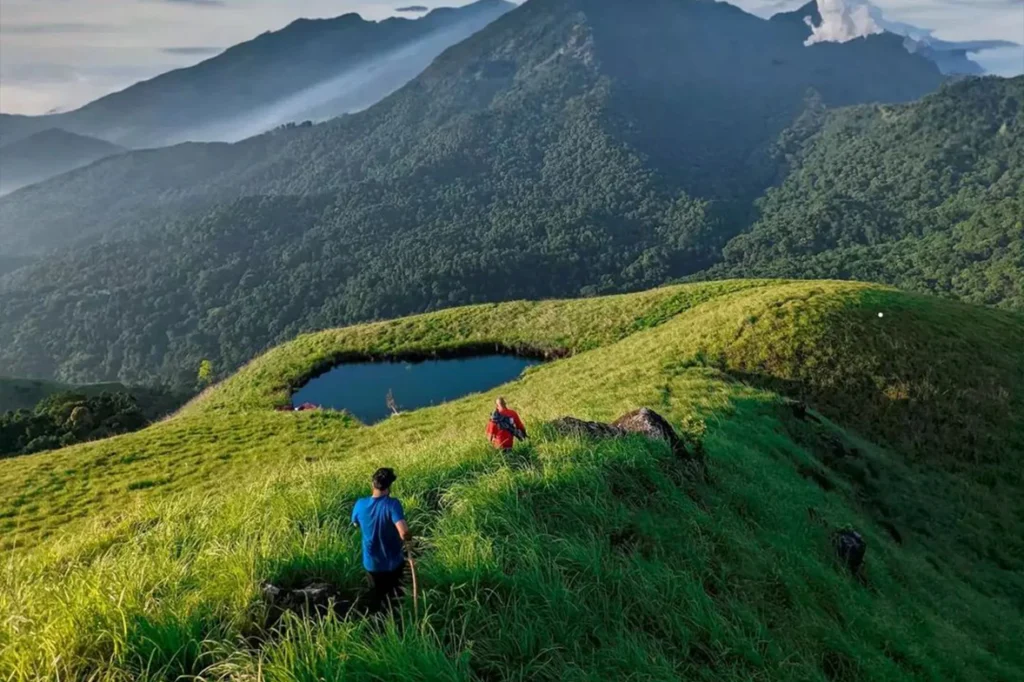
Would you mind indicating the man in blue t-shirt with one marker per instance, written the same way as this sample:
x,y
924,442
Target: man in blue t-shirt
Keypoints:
x,y
382,522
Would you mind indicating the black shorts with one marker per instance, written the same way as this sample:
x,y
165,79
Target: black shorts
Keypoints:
x,y
386,586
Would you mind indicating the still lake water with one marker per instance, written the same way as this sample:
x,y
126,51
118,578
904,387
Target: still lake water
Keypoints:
x,y
362,388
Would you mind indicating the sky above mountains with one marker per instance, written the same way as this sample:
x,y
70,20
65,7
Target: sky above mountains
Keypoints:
x,y
60,54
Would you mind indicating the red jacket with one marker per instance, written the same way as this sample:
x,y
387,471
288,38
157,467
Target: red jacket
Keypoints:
x,y
500,437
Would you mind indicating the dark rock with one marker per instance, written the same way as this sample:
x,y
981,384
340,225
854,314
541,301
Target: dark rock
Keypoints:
x,y
651,424
645,422
851,548
800,411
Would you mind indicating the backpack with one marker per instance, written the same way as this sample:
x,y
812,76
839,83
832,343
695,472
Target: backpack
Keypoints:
x,y
505,423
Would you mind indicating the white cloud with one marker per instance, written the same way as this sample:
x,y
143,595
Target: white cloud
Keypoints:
x,y
950,19
844,20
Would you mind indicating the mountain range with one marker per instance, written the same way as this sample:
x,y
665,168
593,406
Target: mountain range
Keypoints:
x,y
928,197
594,145
309,70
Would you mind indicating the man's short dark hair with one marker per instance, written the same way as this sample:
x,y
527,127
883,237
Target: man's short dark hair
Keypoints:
x,y
383,478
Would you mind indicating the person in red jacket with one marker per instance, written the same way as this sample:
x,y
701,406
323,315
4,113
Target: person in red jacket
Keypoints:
x,y
505,426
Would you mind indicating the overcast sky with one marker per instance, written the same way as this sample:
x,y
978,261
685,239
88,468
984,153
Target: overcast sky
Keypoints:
x,y
59,54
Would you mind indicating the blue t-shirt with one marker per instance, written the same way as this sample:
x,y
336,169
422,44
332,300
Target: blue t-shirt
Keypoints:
x,y
382,545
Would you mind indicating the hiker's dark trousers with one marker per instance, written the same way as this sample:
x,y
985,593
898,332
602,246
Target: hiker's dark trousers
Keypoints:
x,y
386,587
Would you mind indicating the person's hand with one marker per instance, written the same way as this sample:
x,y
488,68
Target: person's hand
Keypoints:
x,y
413,545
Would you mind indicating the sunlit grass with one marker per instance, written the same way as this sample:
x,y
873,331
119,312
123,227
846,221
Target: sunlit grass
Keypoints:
x,y
568,560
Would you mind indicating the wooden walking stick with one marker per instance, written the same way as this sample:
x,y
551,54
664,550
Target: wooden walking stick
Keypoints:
x,y
415,582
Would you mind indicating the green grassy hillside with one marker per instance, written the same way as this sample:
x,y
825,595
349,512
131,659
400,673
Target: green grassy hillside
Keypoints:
x,y
142,557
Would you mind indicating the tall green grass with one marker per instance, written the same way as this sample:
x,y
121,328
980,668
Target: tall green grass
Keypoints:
x,y
567,559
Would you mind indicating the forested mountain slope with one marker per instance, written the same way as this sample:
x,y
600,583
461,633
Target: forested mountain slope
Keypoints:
x,y
927,196
573,146
311,69
146,557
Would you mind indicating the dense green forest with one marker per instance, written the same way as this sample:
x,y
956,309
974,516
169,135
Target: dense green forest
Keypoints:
x,y
556,152
76,414
929,197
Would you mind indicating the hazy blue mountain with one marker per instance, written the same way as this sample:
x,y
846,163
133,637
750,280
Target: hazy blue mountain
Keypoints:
x,y
312,69
16,126
571,147
48,153
953,58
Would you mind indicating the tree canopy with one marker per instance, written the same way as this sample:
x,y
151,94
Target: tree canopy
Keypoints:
x,y
64,419
929,197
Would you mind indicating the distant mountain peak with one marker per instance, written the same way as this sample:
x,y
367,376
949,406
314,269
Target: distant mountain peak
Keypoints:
x,y
800,15
312,69
308,22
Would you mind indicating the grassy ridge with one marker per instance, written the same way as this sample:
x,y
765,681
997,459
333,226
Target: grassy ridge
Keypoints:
x,y
231,428
568,559
555,327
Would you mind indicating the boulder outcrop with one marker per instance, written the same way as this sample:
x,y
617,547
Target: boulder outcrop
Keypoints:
x,y
645,422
